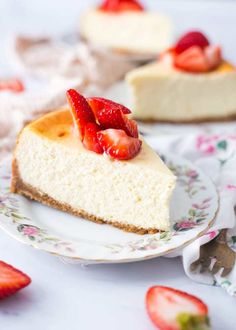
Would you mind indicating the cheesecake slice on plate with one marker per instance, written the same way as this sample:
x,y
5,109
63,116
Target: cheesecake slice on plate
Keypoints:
x,y
191,82
126,27
90,161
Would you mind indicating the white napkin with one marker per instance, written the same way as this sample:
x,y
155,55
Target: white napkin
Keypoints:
x,y
216,156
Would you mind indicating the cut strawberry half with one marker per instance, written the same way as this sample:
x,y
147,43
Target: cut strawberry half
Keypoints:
x,y
14,85
118,145
192,60
213,56
121,5
80,110
112,115
11,280
171,309
90,140
193,38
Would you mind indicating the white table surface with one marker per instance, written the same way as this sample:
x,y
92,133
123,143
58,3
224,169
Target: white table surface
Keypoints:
x,y
108,297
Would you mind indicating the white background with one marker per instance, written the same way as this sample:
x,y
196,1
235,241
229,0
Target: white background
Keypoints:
x,y
107,297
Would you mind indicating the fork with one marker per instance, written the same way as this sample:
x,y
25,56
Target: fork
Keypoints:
x,y
216,256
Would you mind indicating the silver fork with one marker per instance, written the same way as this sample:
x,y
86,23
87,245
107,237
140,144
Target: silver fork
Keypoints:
x,y
216,255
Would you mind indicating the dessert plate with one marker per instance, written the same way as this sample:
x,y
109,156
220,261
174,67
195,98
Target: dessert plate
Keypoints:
x,y
193,209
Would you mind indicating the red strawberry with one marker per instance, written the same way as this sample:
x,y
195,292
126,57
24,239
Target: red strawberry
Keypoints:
x,y
117,144
90,140
97,103
80,110
193,38
171,309
192,60
213,55
13,85
121,5
11,280
111,115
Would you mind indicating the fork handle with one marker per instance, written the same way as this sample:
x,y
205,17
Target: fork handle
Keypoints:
x,y
222,237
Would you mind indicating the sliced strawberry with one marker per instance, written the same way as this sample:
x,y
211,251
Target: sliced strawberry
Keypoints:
x,y
14,85
121,5
97,103
90,140
193,38
117,144
192,60
213,56
80,110
11,280
171,309
111,115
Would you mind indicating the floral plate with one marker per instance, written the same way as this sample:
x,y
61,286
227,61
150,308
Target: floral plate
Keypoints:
x,y
193,208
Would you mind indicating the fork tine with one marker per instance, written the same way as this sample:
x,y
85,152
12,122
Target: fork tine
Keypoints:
x,y
205,263
217,266
226,271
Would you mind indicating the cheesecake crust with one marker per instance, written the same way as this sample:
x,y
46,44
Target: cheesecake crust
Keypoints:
x,y
18,186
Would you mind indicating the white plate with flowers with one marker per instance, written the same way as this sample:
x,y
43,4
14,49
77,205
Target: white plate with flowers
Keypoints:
x,y
193,209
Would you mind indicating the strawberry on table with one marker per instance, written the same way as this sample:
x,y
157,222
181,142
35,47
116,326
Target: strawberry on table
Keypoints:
x,y
118,145
12,84
11,280
172,309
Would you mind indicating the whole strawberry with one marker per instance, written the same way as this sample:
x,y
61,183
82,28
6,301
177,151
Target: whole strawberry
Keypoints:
x,y
172,309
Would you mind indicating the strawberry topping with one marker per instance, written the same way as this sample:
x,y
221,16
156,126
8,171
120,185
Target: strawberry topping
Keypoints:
x,y
192,60
193,38
121,5
11,280
14,85
112,115
172,309
213,56
90,140
80,110
117,144
103,126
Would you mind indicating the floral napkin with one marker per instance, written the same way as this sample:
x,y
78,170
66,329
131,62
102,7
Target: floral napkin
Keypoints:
x,y
215,154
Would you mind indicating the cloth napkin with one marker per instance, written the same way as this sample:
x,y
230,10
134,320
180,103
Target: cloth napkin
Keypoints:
x,y
215,154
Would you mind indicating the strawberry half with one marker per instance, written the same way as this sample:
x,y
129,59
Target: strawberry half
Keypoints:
x,y
121,5
81,112
110,114
118,145
192,60
14,85
213,56
90,140
193,38
171,309
11,280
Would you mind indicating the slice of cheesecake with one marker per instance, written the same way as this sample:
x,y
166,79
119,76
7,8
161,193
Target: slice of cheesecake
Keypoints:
x,y
51,165
126,29
184,87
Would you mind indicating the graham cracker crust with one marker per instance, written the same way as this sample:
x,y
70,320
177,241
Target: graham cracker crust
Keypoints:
x,y
193,121
21,188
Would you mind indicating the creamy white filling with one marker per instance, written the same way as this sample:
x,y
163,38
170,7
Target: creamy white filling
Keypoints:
x,y
138,32
131,192
159,92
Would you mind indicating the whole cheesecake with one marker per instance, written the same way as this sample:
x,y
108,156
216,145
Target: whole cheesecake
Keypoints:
x,y
184,86
52,165
126,28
